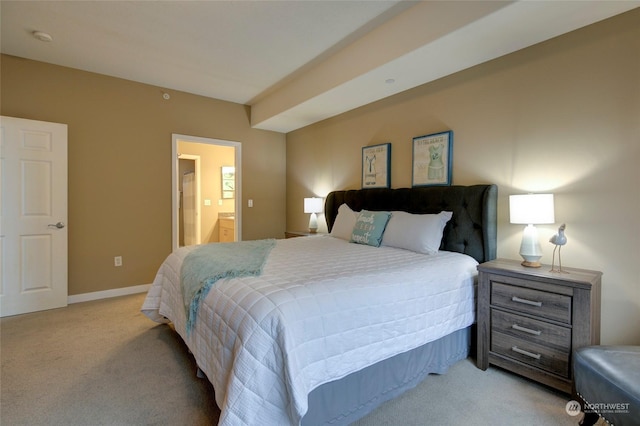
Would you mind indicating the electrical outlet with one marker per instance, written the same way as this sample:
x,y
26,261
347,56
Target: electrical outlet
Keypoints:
x,y
117,261
250,203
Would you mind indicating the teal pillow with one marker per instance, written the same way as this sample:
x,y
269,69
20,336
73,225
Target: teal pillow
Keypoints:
x,y
370,227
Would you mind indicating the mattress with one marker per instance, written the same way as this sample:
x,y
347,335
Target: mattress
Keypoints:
x,y
322,309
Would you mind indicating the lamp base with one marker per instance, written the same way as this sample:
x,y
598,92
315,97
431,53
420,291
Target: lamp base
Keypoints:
x,y
530,249
313,223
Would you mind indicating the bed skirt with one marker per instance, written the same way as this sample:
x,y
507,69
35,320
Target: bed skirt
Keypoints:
x,y
348,399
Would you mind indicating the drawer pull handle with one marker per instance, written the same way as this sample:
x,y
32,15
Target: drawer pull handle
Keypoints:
x,y
523,352
526,330
526,301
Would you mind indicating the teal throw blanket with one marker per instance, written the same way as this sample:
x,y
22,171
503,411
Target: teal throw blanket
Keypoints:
x,y
207,264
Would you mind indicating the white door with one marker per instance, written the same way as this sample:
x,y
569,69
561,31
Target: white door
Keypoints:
x,y
33,209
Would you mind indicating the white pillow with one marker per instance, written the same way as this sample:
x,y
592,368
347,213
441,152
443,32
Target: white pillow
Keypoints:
x,y
344,223
421,233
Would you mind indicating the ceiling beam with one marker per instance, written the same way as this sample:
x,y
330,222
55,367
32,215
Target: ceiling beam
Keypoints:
x,y
428,41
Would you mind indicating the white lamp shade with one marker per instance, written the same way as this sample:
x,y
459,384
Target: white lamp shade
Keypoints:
x,y
531,209
313,205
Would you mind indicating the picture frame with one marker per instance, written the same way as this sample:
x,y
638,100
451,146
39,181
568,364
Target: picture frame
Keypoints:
x,y
376,166
432,159
228,182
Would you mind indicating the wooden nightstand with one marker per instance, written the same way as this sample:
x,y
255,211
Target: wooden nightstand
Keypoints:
x,y
293,234
530,320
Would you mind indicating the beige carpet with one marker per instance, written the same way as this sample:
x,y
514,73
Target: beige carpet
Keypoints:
x,y
104,363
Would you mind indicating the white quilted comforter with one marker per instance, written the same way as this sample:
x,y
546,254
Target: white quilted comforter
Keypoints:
x,y
322,309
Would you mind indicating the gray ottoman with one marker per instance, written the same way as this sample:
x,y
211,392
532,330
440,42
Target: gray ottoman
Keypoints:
x,y
607,379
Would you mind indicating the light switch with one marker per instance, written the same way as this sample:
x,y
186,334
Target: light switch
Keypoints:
x,y
250,203
207,202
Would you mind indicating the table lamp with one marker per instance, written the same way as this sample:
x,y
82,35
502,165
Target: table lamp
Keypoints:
x,y
313,206
531,209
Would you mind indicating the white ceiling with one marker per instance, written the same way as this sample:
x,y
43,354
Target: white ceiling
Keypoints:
x,y
295,62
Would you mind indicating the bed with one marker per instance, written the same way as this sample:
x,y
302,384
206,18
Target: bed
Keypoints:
x,y
330,329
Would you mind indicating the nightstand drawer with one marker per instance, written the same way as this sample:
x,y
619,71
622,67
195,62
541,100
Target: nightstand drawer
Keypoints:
x,y
530,353
539,332
534,302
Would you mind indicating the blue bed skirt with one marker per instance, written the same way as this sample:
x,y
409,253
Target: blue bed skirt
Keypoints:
x,y
346,400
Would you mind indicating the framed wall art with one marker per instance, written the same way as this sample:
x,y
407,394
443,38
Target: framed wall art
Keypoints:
x,y
376,166
228,181
432,159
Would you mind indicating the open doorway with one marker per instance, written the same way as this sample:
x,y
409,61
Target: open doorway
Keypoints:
x,y
206,198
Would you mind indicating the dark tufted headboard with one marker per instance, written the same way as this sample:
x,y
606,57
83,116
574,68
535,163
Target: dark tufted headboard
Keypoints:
x,y
472,229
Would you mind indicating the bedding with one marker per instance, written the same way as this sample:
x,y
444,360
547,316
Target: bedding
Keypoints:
x,y
345,221
204,266
326,314
322,308
370,227
421,233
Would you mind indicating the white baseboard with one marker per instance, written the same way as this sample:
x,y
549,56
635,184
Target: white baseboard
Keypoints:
x,y
97,295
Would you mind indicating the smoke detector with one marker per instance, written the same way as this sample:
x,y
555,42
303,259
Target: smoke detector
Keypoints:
x,y
42,36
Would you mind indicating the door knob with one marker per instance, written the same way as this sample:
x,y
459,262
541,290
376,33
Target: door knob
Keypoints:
x,y
58,225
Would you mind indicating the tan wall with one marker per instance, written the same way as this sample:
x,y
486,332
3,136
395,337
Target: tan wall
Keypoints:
x,y
120,164
562,116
